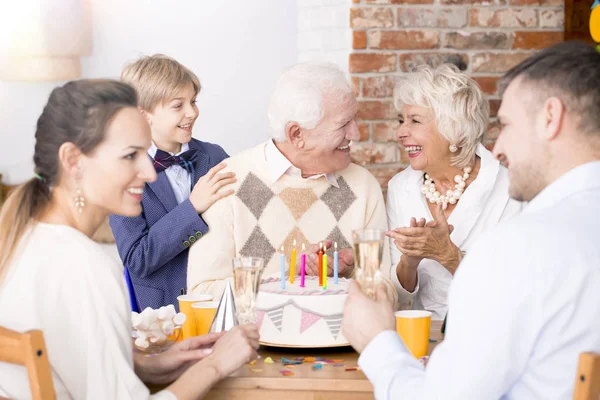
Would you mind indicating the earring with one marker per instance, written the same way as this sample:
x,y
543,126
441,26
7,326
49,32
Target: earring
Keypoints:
x,y
453,148
79,200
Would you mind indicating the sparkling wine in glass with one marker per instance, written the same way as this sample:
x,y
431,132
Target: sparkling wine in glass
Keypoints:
x,y
368,254
246,279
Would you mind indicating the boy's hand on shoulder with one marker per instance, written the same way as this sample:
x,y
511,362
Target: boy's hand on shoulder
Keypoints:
x,y
206,191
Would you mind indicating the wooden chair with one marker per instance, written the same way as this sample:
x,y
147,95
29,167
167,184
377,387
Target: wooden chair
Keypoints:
x,y
29,349
587,385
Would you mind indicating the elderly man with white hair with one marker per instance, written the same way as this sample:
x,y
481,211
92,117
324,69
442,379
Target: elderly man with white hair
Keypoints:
x,y
454,189
298,186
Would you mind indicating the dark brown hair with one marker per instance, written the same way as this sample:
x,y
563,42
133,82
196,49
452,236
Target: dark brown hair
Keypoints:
x,y
569,71
77,112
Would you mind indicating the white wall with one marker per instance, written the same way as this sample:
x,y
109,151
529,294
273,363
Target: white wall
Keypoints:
x,y
237,49
324,32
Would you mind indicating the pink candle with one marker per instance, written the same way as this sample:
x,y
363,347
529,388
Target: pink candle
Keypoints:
x,y
303,267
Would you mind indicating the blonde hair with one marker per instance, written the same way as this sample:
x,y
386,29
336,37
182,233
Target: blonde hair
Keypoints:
x,y
460,108
156,78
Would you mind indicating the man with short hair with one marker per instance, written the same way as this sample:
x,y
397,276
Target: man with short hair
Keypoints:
x,y
526,300
298,186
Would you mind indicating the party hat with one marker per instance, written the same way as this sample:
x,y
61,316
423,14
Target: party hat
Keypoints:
x,y
226,318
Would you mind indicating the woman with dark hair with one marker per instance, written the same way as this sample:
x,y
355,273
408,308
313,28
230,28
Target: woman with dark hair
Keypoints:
x,y
90,161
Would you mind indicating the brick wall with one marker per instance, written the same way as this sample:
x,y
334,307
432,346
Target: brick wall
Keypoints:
x,y
390,37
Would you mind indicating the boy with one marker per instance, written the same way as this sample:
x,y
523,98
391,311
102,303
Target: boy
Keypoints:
x,y
155,245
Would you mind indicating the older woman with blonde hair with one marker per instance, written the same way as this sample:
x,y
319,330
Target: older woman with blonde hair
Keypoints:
x,y
453,189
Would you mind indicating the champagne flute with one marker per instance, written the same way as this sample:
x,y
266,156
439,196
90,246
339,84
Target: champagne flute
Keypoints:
x,y
247,272
368,254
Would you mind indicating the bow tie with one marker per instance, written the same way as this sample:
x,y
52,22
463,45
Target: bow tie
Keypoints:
x,y
163,160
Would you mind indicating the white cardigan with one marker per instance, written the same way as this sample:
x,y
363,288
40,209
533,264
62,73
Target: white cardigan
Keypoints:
x,y
484,203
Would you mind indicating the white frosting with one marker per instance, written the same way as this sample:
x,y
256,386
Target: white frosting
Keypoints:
x,y
301,317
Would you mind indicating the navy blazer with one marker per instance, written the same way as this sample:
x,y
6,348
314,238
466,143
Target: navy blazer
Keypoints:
x,y
154,246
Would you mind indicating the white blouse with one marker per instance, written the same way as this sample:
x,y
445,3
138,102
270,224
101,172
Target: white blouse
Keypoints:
x,y
483,204
64,284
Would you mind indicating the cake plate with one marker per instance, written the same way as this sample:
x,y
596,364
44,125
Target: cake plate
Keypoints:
x,y
302,347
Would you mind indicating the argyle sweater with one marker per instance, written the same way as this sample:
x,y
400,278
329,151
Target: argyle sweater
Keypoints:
x,y
262,216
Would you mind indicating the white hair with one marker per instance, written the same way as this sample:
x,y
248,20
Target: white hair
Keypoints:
x,y
298,96
460,108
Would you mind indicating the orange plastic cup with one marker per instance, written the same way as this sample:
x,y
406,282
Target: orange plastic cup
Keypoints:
x,y
204,313
413,327
185,306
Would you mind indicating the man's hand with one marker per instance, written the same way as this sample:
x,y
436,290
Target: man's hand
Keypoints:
x,y
312,258
345,261
365,318
204,194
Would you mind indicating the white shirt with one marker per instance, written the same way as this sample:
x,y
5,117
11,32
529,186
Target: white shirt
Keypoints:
x,y
280,165
179,178
64,284
483,204
523,305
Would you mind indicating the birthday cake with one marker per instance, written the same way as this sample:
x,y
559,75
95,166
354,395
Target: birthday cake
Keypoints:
x,y
297,316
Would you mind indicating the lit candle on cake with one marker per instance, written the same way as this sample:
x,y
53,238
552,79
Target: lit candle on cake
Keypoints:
x,y
293,263
320,253
335,264
325,268
303,266
282,269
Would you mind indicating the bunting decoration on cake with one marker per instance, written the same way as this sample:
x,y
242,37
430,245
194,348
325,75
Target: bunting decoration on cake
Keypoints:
x,y
276,316
335,324
278,309
308,319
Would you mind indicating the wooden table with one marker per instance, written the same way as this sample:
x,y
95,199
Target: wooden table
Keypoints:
x,y
264,381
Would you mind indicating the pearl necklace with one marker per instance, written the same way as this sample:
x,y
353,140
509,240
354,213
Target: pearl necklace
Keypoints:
x,y
451,196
